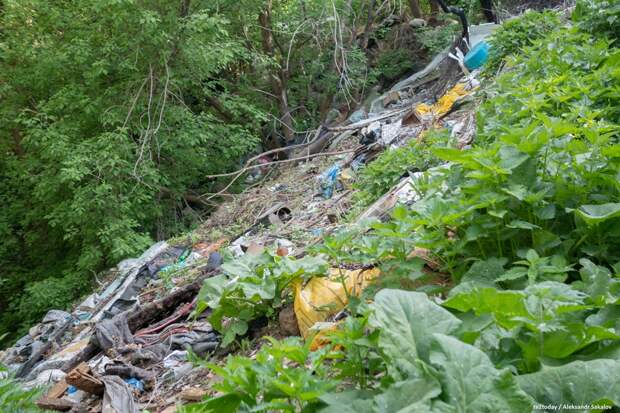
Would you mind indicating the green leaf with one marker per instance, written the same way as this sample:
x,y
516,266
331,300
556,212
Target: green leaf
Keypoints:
x,y
504,304
595,214
598,283
481,274
578,383
522,225
409,396
234,329
511,157
470,381
407,321
355,401
228,403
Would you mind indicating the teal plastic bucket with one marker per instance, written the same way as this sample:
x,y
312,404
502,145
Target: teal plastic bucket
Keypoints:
x,y
477,56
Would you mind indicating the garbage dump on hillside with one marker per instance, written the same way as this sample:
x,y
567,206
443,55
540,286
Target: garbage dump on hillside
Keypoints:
x,y
129,346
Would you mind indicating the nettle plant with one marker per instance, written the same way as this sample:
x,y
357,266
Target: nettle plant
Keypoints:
x,y
251,287
544,174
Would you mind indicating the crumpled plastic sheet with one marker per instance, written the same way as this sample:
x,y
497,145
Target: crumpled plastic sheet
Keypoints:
x,y
321,298
113,332
146,356
444,104
118,396
329,181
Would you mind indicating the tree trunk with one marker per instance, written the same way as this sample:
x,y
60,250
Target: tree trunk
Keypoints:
x,y
370,17
434,19
18,149
487,9
416,10
278,79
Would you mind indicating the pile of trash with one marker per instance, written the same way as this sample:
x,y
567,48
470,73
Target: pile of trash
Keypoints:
x,y
118,340
129,346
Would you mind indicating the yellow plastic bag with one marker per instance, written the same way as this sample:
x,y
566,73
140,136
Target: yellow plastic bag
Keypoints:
x,y
322,298
444,104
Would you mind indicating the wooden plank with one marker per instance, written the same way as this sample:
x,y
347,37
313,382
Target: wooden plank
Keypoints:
x,y
82,378
57,389
60,405
192,394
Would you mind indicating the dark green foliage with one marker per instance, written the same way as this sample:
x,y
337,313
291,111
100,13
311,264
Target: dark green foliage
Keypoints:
x,y
435,39
394,63
599,17
99,146
515,34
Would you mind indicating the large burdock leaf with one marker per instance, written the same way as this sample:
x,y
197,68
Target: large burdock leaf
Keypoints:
x,y
576,383
410,396
594,214
470,382
407,321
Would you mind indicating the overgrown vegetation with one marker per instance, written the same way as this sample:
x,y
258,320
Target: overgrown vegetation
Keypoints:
x,y
525,225
114,114
516,34
383,173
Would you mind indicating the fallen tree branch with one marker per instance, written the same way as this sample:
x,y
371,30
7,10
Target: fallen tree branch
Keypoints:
x,y
362,123
300,158
237,174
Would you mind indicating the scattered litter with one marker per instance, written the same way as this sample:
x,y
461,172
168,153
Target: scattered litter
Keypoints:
x,y
329,181
444,104
113,333
371,133
75,395
390,132
275,215
118,397
175,359
402,192
357,116
192,394
390,98
150,353
135,383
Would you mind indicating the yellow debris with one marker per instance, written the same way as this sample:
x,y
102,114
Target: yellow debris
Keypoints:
x,y
444,104
322,298
321,338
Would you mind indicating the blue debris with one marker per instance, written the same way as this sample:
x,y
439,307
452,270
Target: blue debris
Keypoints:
x,y
71,389
329,181
134,382
477,56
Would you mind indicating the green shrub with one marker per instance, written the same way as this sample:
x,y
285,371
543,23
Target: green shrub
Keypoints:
x,y
392,64
518,33
598,17
435,39
383,173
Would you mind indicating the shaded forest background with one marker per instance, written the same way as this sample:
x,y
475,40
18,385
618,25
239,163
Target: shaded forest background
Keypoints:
x,y
115,112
